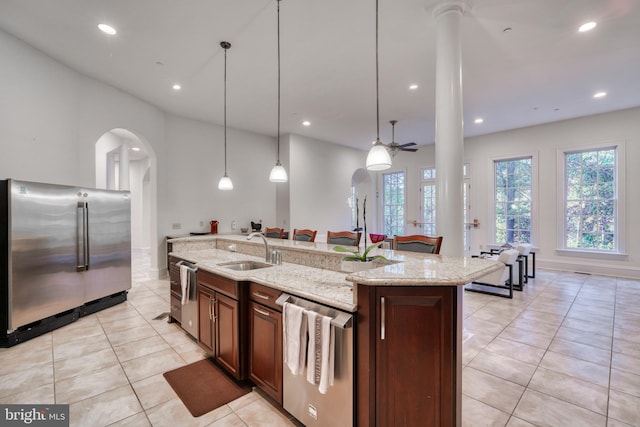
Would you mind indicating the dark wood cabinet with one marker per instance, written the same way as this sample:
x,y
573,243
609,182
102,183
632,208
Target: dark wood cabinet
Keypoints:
x,y
408,349
265,340
175,313
221,329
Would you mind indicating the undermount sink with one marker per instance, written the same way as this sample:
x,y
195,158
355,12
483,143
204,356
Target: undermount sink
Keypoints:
x,y
244,265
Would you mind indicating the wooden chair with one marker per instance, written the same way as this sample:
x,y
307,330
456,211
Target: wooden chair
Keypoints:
x,y
275,232
344,238
417,243
304,235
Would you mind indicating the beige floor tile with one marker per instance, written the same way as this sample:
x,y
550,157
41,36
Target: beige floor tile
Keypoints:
x,y
570,389
556,309
583,337
477,414
123,324
141,348
516,350
581,369
546,411
25,379
475,324
535,317
173,413
629,348
82,387
260,413
117,312
231,420
581,351
105,408
615,423
178,338
67,368
624,407
503,367
244,400
153,391
17,358
152,364
535,338
587,326
80,348
624,362
625,382
517,422
41,395
80,330
138,420
491,390
130,335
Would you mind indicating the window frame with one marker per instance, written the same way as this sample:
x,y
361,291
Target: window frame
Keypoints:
x,y
382,199
620,243
535,199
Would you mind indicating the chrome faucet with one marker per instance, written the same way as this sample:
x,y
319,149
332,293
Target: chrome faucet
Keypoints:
x,y
267,256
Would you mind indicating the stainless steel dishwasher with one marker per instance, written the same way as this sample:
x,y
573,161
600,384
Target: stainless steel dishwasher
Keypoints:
x,y
302,399
189,318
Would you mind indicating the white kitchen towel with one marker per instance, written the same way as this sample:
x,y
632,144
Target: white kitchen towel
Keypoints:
x,y
321,350
184,283
294,336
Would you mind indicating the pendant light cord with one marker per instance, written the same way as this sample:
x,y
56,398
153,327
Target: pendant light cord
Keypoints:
x,y
225,111
377,83
278,160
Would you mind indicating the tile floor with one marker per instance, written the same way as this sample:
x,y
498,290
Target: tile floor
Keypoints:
x,y
565,351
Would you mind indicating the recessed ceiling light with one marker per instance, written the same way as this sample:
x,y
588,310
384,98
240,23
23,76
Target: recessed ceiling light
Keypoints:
x,y
600,94
478,120
587,27
413,87
176,86
306,123
107,29
135,148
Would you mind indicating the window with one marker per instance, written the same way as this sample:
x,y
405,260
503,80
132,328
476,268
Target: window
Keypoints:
x,y
513,178
428,185
590,200
393,196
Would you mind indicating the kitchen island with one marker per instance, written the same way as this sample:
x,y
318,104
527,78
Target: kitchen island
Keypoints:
x,y
408,318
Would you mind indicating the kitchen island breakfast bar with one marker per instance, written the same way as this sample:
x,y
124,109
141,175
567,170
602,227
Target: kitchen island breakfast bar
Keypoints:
x,y
407,321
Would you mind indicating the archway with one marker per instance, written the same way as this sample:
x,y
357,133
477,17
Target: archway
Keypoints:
x,y
126,161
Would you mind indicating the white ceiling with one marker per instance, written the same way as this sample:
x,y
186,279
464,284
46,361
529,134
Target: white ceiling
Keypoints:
x,y
542,70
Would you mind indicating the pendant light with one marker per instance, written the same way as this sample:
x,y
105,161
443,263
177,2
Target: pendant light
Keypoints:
x,y
225,182
278,173
378,158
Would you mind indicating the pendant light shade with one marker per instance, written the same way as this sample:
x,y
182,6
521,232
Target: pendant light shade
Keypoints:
x,y
225,183
378,158
278,173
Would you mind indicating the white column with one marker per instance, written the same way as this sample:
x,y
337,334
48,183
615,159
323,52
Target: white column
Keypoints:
x,y
124,167
111,171
449,134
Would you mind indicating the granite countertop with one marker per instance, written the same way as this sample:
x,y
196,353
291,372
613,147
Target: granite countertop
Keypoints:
x,y
323,285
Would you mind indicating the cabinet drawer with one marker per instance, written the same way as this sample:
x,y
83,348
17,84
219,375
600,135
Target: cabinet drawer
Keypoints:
x,y
264,295
220,284
176,307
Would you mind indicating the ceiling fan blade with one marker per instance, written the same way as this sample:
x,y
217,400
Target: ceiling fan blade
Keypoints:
x,y
409,149
408,144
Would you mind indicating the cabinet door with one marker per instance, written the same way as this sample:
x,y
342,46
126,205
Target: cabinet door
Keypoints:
x,y
265,349
226,318
412,362
205,319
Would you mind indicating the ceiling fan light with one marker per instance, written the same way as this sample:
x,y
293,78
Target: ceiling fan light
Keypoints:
x,y
378,158
225,183
278,173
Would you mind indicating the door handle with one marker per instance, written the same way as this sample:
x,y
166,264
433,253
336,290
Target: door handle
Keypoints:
x,y
82,249
213,304
382,319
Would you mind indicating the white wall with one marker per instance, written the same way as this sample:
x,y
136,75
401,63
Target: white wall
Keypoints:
x,y
320,184
196,150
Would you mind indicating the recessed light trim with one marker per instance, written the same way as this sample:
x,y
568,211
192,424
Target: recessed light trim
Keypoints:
x,y
107,29
306,123
176,86
413,86
601,94
478,120
135,148
588,26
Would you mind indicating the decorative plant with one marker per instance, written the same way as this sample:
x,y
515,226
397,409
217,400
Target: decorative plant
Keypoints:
x,y
355,254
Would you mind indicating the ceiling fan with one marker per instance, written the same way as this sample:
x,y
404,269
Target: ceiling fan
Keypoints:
x,y
394,147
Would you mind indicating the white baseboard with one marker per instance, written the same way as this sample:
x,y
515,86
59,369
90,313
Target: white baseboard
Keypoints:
x,y
591,268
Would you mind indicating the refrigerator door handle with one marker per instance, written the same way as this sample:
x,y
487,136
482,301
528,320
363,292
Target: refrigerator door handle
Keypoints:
x,y
82,248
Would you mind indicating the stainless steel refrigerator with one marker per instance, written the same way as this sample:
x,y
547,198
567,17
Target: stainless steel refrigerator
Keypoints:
x,y
65,252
